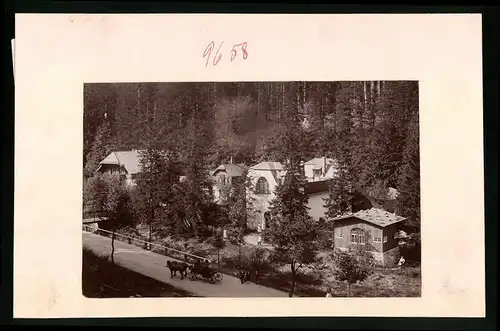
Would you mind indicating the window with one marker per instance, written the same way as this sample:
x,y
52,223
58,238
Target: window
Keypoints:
x,y
385,239
262,186
358,236
377,239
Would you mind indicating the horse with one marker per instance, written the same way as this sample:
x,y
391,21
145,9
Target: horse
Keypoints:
x,y
175,266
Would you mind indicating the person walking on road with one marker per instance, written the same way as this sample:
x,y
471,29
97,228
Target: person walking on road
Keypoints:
x,y
259,240
329,293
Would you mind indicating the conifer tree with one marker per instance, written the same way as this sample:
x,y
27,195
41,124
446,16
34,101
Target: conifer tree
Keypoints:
x,y
292,232
408,201
99,150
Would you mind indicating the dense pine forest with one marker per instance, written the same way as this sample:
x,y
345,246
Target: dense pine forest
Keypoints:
x,y
370,127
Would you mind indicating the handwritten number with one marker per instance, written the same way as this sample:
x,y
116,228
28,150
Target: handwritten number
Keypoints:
x,y
208,51
233,53
244,48
217,58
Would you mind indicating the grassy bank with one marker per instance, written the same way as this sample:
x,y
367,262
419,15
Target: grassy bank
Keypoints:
x,y
103,279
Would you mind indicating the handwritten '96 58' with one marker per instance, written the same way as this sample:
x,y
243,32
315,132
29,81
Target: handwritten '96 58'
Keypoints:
x,y
217,57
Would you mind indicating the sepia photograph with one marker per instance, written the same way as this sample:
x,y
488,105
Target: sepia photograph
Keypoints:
x,y
251,189
221,165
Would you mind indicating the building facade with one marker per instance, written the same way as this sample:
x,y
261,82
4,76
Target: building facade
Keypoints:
x,y
124,163
374,229
225,176
318,169
265,178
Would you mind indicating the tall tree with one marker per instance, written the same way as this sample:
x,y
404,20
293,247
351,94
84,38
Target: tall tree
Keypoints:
x,y
199,138
119,209
241,207
95,195
108,195
408,201
292,232
101,147
157,185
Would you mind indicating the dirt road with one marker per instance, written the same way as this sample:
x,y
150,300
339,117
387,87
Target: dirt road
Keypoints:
x,y
153,265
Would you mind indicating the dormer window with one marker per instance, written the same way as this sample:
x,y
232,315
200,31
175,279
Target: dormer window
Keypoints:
x,y
262,186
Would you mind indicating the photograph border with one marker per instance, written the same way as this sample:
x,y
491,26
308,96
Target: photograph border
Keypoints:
x,y
490,88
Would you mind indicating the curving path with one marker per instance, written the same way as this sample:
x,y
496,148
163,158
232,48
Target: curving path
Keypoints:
x,y
153,265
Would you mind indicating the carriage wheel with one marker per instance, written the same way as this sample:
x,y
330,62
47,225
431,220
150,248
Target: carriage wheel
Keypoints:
x,y
192,276
217,276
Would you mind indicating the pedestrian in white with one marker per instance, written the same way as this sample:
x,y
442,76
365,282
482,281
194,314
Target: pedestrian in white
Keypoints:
x,y
259,240
329,293
401,262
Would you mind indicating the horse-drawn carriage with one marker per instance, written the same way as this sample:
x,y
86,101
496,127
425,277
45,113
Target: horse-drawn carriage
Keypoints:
x,y
204,271
198,270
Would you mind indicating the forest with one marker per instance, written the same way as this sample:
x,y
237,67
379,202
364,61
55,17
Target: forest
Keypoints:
x,y
370,127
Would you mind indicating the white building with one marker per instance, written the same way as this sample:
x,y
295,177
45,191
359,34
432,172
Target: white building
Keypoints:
x,y
265,177
320,168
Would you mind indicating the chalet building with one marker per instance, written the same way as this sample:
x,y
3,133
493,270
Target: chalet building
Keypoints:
x,y
226,175
320,168
374,229
124,163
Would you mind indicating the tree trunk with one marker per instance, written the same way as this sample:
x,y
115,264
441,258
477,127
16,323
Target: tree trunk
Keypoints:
x,y
113,246
365,98
150,235
239,254
218,257
348,288
292,288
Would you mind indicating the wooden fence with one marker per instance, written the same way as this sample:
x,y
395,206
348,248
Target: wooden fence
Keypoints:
x,y
167,251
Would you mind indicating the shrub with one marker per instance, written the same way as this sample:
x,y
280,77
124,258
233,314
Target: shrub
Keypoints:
x,y
353,265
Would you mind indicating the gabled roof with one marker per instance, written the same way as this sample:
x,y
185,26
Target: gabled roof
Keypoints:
x,y
233,170
268,166
127,159
318,162
375,216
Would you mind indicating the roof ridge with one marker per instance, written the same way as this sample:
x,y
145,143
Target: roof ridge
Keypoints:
x,y
116,155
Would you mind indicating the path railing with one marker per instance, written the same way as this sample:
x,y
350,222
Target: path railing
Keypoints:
x,y
164,250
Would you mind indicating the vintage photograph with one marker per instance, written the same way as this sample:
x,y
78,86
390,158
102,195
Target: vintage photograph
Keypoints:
x,y
251,189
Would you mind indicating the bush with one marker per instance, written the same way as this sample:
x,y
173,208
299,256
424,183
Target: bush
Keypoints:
x,y
353,265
